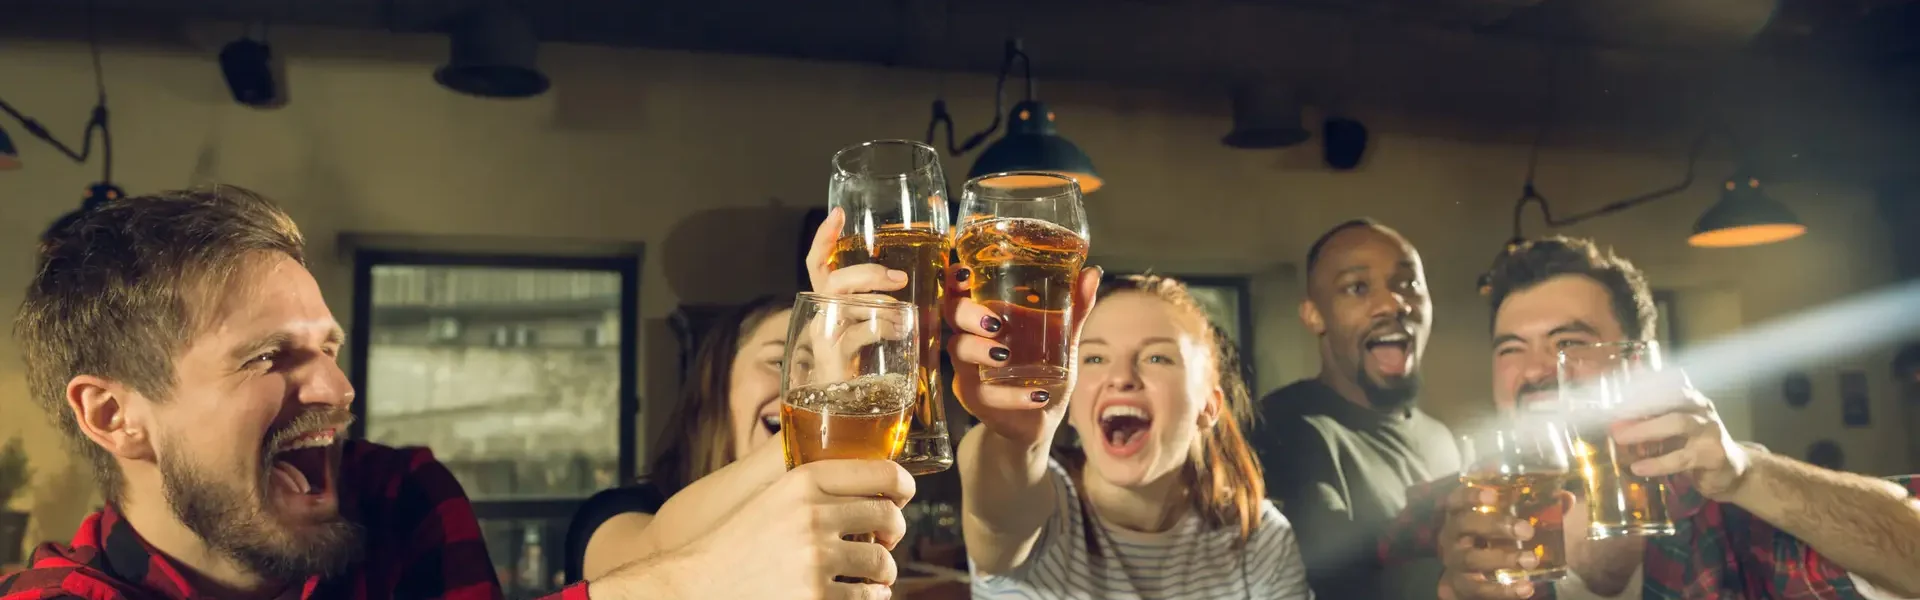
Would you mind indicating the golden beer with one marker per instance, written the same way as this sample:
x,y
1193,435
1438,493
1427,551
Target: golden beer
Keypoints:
x,y
1023,271
922,254
1530,496
863,418
1619,503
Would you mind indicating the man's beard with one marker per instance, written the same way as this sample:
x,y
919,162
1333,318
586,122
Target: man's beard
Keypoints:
x,y
233,520
1395,396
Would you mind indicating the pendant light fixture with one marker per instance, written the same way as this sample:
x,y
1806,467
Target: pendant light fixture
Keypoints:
x,y
102,190
1265,117
1032,141
492,54
1744,217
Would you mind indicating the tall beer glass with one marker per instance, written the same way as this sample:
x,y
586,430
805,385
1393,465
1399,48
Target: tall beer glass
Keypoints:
x,y
1024,238
1525,463
1595,380
895,197
848,382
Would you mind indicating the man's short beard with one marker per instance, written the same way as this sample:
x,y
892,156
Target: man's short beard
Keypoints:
x,y
1389,398
233,521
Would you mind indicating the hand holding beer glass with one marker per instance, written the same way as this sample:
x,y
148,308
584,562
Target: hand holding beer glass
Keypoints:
x,y
1023,239
891,198
847,384
1523,464
1596,382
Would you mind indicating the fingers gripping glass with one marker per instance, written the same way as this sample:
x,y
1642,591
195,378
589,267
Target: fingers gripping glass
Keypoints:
x,y
1525,464
1024,238
1595,381
894,194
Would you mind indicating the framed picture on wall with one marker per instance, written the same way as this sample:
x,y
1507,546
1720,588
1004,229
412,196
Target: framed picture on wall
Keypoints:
x,y
1228,301
1665,325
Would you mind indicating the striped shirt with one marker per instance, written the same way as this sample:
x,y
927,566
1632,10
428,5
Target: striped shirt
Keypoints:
x,y
1186,561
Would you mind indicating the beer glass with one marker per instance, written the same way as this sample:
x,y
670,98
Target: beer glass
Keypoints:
x,y
1594,380
895,198
848,381
1524,461
1023,236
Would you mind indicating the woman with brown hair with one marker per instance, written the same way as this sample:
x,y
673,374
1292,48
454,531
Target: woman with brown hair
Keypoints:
x,y
730,406
1163,498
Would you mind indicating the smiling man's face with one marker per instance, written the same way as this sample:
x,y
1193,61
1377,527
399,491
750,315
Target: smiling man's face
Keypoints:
x,y
248,441
1534,324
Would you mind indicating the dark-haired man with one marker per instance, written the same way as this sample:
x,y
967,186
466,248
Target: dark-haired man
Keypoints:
x,y
1341,449
1750,524
180,344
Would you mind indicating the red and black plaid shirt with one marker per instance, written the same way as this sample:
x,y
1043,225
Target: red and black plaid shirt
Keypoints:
x,y
422,542
1718,551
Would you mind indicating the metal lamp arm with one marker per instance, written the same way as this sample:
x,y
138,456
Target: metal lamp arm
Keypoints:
x,y
942,117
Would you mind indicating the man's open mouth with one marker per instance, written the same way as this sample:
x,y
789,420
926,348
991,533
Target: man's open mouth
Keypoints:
x,y
1390,351
301,465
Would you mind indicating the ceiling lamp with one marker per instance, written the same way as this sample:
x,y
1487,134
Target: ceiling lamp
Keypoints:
x,y
1744,217
1263,119
493,55
1032,142
9,156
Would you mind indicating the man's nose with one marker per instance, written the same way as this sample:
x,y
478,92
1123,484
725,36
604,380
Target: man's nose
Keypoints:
x,y
323,382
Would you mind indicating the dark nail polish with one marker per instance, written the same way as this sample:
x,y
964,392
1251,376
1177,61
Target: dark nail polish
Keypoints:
x,y
961,275
1041,397
999,354
991,324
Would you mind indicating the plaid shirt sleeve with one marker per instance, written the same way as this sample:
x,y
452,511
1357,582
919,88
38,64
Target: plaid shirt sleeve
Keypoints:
x,y
1798,570
1413,533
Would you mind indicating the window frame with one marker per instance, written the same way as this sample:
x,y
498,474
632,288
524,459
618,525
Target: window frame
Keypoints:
x,y
626,264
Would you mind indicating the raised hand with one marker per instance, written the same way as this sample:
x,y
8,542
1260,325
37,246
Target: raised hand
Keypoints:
x,y
1474,543
1670,414
857,279
787,542
1023,415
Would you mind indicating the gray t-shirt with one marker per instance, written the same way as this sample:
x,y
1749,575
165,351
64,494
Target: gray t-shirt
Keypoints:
x,y
1340,472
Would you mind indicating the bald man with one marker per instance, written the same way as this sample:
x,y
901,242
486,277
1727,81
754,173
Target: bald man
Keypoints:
x,y
1340,449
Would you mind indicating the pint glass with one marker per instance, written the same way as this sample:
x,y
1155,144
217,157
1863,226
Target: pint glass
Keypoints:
x,y
1525,463
848,382
1595,380
1024,238
895,198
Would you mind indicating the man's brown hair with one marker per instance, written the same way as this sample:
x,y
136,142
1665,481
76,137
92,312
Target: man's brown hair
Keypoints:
x,y
123,286
1529,263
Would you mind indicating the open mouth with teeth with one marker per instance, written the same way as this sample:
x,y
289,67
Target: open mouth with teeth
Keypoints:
x,y
1390,352
302,468
1123,429
771,423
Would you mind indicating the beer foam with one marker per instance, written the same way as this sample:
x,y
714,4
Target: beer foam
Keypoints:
x,y
863,395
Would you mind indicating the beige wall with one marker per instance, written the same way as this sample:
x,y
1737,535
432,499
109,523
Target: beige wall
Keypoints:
x,y
674,150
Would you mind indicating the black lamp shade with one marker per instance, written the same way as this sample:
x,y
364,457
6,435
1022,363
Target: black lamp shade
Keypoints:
x,y
101,193
1745,217
1264,118
9,157
1032,144
493,56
